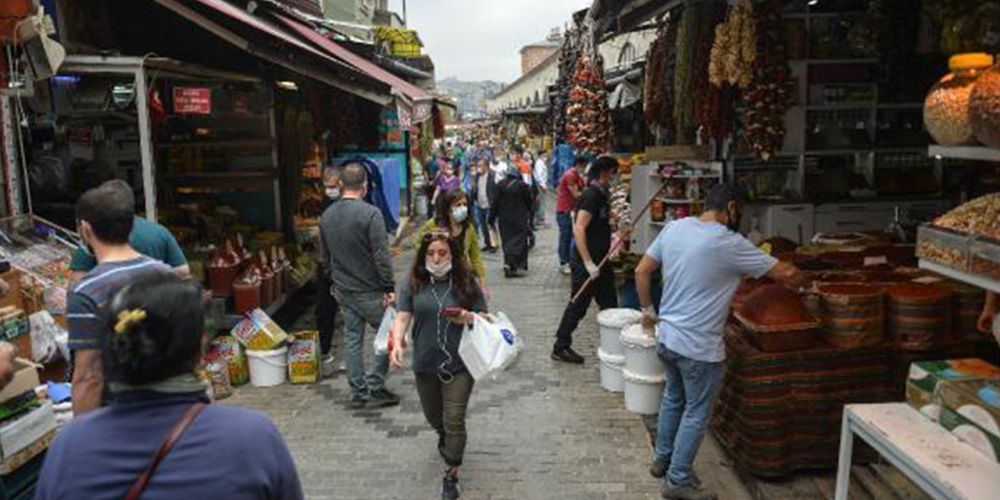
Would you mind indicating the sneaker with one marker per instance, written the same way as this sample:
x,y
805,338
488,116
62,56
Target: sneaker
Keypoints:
x,y
449,488
508,272
359,400
567,355
659,468
329,366
382,398
565,269
686,492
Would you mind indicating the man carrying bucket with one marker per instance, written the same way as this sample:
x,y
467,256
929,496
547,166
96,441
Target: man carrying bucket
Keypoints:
x,y
703,259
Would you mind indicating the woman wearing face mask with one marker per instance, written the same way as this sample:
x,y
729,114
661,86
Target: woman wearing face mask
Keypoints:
x,y
454,218
439,300
446,181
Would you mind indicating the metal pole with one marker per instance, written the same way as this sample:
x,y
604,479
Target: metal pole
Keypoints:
x,y
406,20
146,144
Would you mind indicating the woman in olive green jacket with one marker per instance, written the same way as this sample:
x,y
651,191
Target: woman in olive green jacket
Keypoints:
x,y
453,216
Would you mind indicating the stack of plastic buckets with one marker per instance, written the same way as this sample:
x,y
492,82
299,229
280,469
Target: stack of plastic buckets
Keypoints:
x,y
645,374
612,352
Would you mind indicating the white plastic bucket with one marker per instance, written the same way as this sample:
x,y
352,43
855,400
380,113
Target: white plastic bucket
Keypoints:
x,y
640,353
611,371
268,368
643,394
612,321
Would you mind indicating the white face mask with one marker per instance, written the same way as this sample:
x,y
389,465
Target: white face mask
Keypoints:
x,y
439,271
459,213
333,193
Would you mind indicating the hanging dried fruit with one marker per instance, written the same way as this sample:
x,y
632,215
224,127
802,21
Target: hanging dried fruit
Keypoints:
x,y
735,48
713,104
772,89
687,41
588,119
660,82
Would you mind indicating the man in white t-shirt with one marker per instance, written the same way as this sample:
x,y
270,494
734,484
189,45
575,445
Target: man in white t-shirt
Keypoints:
x,y
703,259
541,174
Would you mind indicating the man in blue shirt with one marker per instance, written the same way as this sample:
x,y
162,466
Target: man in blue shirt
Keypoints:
x,y
703,260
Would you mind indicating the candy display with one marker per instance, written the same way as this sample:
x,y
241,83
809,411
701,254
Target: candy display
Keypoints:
x,y
984,108
947,113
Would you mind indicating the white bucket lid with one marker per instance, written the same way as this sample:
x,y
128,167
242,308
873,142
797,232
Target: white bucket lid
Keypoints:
x,y
643,379
268,354
636,336
610,359
618,318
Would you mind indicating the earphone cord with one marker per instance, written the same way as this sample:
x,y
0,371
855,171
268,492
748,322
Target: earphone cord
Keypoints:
x,y
444,375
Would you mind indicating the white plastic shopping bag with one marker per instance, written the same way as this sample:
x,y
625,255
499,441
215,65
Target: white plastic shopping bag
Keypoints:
x,y
384,331
489,345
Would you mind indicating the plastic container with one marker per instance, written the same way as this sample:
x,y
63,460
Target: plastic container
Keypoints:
x,y
612,321
984,108
947,109
268,368
612,379
943,246
246,296
984,257
643,394
220,279
640,353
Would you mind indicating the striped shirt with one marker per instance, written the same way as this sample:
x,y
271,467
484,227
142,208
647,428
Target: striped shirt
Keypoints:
x,y
87,326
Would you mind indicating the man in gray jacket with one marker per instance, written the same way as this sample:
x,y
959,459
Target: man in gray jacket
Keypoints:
x,y
355,246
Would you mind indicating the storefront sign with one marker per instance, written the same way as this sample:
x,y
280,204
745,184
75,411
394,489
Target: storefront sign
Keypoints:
x,y
192,100
390,129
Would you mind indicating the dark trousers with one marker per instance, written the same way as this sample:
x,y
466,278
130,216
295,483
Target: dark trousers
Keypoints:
x,y
602,289
445,405
326,311
565,222
483,225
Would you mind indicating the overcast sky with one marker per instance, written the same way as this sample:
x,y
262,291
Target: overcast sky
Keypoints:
x,y
480,39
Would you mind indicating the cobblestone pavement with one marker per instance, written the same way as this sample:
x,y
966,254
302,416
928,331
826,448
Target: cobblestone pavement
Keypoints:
x,y
541,431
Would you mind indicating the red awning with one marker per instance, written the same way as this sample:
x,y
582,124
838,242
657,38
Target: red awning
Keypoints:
x,y
401,86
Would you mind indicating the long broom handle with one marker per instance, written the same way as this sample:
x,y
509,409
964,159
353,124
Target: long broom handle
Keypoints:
x,y
627,234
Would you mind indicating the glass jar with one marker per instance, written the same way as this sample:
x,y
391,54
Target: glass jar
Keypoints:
x,y
947,108
984,108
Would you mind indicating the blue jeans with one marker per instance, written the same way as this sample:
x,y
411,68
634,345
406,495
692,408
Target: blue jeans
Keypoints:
x,y
565,222
362,309
692,387
482,221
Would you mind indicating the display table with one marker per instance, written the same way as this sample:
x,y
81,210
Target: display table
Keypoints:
x,y
939,464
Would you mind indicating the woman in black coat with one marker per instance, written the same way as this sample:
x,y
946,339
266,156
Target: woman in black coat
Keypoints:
x,y
513,210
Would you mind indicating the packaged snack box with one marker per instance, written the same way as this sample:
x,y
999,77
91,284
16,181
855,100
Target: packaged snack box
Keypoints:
x,y
925,376
978,403
971,433
303,358
258,332
230,350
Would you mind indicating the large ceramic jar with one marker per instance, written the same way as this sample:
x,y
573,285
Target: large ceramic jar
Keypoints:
x,y
947,113
984,108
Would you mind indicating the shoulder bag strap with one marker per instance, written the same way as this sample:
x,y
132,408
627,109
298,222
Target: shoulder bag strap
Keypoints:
x,y
175,434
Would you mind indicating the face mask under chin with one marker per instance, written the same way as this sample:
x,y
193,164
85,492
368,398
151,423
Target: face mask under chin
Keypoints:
x,y
439,271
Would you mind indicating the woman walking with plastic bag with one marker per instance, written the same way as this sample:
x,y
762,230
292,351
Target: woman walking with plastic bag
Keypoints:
x,y
439,300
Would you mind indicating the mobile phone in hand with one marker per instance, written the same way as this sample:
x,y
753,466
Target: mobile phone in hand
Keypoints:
x,y
452,312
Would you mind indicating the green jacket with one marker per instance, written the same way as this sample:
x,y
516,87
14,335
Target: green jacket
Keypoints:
x,y
471,246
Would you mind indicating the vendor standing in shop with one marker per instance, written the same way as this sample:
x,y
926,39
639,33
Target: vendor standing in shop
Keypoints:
x,y
148,238
105,216
592,231
703,259
326,304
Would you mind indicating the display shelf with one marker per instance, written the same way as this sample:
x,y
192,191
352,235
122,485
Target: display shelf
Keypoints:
x,y
669,201
229,321
243,144
978,153
969,278
935,460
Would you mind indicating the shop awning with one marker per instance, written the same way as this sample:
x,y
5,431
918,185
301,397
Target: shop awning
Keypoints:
x,y
400,87
339,74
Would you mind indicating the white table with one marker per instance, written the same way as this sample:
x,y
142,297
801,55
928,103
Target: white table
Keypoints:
x,y
940,464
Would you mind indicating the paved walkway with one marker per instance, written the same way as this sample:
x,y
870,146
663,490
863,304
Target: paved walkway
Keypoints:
x,y
542,431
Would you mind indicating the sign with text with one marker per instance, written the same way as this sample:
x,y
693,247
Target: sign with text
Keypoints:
x,y
192,100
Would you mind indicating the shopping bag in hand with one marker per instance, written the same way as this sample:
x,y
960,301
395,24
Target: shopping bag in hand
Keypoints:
x,y
489,345
382,339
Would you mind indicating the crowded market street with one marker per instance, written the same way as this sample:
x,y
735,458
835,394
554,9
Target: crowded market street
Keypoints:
x,y
542,430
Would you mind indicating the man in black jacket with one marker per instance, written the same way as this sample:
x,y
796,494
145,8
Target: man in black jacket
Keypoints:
x,y
484,195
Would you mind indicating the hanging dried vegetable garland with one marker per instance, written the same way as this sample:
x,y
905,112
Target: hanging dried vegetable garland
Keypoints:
x,y
568,58
772,91
588,119
713,105
735,48
659,91
687,41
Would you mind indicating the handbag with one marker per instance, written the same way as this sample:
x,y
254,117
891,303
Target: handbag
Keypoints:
x,y
175,434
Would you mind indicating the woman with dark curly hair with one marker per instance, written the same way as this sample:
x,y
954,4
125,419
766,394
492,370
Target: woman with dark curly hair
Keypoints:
x,y
440,299
151,356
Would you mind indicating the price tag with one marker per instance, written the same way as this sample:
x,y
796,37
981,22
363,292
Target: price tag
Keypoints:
x,y
876,261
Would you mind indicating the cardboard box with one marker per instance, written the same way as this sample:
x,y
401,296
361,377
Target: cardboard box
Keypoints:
x,y
17,460
19,434
25,379
258,332
976,400
925,376
971,433
303,359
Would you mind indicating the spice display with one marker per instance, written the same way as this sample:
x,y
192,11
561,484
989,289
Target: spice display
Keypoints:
x,y
853,315
780,245
588,119
984,108
775,306
943,246
660,77
966,306
687,43
919,316
772,91
735,48
947,114
980,216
